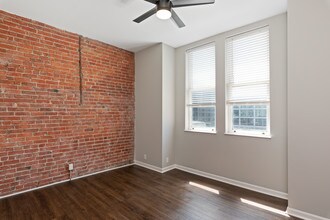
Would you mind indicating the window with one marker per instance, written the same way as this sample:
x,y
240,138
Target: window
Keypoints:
x,y
247,83
200,89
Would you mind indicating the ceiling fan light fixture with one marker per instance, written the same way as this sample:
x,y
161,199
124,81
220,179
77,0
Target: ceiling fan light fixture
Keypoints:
x,y
164,9
163,14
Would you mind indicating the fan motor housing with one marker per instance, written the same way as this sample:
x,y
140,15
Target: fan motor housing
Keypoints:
x,y
164,4
164,9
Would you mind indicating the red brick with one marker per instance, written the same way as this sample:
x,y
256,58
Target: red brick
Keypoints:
x,y
42,123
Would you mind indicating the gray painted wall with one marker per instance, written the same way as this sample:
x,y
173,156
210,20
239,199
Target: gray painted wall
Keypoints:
x,y
155,99
308,98
257,161
168,105
148,104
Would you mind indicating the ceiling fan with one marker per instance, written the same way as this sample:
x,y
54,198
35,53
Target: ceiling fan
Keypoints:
x,y
164,9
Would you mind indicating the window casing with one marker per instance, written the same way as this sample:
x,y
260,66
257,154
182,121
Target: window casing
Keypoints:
x,y
248,83
200,89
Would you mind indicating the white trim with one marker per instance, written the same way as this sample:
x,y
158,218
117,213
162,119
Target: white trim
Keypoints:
x,y
63,181
168,168
102,171
304,215
148,166
200,131
265,136
244,185
189,170
155,168
36,188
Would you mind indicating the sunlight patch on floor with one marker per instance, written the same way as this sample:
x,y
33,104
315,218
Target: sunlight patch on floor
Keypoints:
x,y
204,187
264,207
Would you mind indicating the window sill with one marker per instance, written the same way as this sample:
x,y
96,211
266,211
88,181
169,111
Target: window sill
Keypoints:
x,y
203,132
250,135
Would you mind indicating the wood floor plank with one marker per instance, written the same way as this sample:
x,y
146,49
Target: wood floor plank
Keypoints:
x,y
137,193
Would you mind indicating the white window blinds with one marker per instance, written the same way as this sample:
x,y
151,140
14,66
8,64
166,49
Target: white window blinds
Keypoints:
x,y
247,67
201,75
200,89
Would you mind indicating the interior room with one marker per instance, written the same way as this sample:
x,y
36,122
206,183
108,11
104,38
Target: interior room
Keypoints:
x,y
164,109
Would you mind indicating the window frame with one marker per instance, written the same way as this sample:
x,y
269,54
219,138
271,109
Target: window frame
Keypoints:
x,y
188,107
253,133
229,105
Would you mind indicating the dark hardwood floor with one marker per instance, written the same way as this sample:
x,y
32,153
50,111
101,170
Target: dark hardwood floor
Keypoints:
x,y
137,193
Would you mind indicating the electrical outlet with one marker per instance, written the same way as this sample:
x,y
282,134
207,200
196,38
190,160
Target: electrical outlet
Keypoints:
x,y
70,166
145,157
167,159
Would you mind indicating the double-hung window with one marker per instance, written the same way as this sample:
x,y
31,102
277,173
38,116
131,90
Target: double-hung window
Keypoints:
x,y
200,89
248,83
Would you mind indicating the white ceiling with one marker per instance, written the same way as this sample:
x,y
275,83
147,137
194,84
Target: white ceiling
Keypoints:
x,y
110,21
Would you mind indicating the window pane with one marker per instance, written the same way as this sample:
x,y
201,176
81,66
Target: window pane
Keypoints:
x,y
260,122
246,113
236,113
203,117
247,121
261,113
249,117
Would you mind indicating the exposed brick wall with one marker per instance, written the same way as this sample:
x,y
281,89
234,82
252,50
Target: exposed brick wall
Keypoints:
x,y
42,123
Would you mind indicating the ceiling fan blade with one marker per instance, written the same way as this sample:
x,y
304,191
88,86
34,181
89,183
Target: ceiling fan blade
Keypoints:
x,y
177,20
146,15
185,3
151,1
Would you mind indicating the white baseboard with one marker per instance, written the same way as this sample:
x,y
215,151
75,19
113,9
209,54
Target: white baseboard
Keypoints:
x,y
63,181
148,166
155,168
304,215
102,171
244,185
166,169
